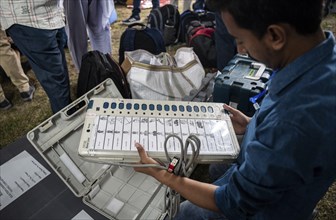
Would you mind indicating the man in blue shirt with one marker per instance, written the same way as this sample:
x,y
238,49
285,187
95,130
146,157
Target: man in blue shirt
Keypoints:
x,y
287,158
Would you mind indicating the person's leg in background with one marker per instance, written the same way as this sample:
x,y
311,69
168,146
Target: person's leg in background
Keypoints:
x,y
11,64
135,17
136,8
62,40
98,23
186,5
76,13
45,52
188,210
156,3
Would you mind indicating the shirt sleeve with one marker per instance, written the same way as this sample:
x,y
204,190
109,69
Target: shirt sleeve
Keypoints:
x,y
272,164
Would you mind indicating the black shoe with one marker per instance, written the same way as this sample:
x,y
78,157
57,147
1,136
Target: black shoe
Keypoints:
x,y
28,96
4,105
132,20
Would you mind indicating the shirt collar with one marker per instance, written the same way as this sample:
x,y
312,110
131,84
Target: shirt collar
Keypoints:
x,y
298,67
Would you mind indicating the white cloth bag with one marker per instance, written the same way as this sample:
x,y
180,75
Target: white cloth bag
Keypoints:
x,y
163,77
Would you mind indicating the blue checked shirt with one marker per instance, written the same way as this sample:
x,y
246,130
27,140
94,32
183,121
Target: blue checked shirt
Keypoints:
x,y
288,155
41,14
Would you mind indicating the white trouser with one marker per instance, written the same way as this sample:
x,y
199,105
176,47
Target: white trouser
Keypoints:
x,y
88,17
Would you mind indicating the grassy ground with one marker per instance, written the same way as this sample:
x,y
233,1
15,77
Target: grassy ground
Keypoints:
x,y
24,116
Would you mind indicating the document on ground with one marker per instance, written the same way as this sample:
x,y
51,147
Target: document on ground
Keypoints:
x,y
18,175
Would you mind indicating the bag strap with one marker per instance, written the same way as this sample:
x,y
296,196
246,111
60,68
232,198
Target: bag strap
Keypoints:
x,y
177,21
128,42
163,68
160,22
137,24
100,58
152,20
106,62
168,87
177,83
119,73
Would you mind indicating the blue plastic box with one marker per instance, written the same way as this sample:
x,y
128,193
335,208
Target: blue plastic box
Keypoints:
x,y
241,79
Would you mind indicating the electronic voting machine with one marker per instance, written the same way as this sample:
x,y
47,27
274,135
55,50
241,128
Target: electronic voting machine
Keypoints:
x,y
116,192
112,126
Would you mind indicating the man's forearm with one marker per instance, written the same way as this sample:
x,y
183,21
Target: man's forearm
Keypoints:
x,y
201,194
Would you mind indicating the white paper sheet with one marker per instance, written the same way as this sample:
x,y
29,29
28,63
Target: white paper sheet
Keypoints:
x,y
18,175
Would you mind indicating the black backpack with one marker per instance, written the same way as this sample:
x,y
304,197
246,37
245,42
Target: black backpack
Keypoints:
x,y
202,40
167,20
97,67
139,36
188,18
199,31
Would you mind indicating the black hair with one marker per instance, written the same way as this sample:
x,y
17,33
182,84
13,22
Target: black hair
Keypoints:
x,y
256,15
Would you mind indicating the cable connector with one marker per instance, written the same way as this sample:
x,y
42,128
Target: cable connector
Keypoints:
x,y
172,165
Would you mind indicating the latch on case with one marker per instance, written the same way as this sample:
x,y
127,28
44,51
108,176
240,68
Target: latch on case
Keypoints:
x,y
261,68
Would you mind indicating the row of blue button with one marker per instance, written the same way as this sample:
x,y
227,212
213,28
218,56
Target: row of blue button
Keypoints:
x,y
159,107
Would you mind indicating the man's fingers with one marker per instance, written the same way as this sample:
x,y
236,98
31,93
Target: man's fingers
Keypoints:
x,y
141,151
230,109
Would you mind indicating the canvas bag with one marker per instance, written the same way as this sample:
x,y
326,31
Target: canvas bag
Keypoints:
x,y
163,77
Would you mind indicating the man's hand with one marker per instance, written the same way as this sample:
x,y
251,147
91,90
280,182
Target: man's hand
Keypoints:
x,y
145,159
201,194
239,119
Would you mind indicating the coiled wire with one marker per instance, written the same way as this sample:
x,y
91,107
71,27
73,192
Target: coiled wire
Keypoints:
x,y
184,167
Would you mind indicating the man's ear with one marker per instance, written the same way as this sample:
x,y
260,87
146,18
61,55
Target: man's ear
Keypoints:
x,y
276,36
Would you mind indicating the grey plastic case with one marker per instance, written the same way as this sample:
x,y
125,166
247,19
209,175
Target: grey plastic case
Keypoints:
x,y
115,192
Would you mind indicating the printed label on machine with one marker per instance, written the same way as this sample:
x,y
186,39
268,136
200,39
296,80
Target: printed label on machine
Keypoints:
x,y
116,124
151,133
